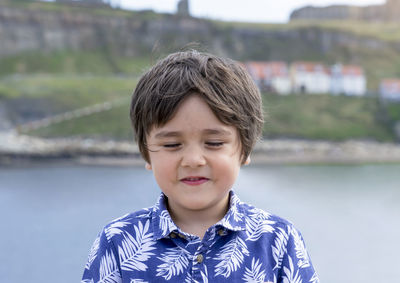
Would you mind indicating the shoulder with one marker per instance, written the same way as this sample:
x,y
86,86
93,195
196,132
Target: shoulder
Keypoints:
x,y
280,242
252,212
127,223
262,225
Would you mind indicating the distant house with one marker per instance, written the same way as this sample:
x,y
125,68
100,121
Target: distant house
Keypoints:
x,y
309,77
270,76
390,89
348,79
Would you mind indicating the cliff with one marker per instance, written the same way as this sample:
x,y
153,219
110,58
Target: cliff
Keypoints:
x,y
34,34
388,12
48,27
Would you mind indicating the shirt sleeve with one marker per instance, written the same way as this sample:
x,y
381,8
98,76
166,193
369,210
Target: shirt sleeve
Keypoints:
x,y
296,263
102,263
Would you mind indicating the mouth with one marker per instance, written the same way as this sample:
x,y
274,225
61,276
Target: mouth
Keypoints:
x,y
194,181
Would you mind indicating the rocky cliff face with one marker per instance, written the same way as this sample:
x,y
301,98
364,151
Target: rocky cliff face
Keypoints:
x,y
26,29
389,12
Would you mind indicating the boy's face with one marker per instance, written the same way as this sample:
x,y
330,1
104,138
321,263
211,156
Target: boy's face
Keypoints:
x,y
195,158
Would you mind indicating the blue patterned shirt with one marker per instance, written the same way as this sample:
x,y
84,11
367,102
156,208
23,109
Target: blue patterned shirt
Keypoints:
x,y
247,245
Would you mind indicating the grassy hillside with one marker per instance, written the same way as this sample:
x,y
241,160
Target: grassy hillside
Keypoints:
x,y
379,30
29,98
37,84
113,124
296,116
325,117
311,117
373,45
61,7
72,62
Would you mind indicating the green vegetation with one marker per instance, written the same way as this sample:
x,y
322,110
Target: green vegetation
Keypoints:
x,y
38,96
380,59
112,124
96,10
72,62
74,91
324,117
295,116
380,30
54,82
393,111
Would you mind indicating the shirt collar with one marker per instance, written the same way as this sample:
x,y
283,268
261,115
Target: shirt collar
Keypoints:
x,y
161,219
163,224
234,219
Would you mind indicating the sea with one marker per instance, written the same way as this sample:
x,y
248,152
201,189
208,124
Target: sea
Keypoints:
x,y
349,215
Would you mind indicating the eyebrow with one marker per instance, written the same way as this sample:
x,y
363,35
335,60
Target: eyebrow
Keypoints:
x,y
171,134
167,134
217,131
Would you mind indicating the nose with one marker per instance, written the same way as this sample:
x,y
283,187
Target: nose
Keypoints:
x,y
193,156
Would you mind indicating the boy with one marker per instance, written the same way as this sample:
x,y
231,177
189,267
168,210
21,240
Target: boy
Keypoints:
x,y
196,118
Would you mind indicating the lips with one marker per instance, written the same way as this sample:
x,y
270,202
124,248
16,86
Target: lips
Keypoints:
x,y
194,180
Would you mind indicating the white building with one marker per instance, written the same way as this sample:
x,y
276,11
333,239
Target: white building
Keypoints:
x,y
308,77
390,89
270,76
348,80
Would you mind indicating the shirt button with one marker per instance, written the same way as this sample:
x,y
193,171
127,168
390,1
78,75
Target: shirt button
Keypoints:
x,y
200,258
220,232
173,235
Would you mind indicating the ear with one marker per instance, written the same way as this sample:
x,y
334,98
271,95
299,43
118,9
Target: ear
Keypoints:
x,y
148,166
248,160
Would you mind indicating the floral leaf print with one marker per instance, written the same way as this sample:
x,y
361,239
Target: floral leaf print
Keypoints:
x,y
189,278
237,216
146,213
301,252
166,222
314,278
230,257
211,240
93,252
138,281
255,274
115,229
290,276
134,251
120,218
258,223
279,248
109,272
204,277
175,262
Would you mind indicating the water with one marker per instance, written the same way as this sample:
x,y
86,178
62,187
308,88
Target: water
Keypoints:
x,y
348,215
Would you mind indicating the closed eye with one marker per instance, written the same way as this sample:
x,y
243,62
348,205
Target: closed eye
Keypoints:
x,y
172,145
214,144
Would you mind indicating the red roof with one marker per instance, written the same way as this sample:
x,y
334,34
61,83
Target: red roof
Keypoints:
x,y
352,70
309,67
262,70
391,84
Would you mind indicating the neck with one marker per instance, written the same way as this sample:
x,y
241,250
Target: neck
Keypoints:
x,y
196,222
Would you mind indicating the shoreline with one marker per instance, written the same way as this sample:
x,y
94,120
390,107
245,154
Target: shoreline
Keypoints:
x,y
20,150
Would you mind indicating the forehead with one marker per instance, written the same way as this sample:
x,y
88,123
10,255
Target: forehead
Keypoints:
x,y
193,115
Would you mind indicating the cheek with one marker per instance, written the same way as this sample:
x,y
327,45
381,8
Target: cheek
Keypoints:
x,y
163,169
227,167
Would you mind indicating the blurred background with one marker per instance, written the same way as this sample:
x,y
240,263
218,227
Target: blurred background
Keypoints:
x,y
329,161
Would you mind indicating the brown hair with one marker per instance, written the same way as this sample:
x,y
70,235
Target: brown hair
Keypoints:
x,y
223,84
